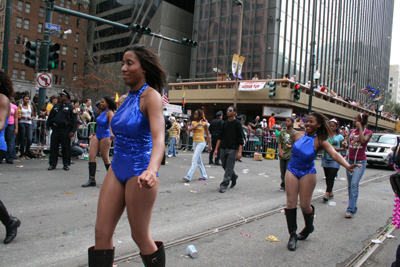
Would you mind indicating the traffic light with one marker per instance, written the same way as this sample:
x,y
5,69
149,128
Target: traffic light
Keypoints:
x,y
140,28
54,55
272,89
296,92
31,54
189,42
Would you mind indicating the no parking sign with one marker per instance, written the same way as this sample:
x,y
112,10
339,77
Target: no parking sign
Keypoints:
x,y
44,80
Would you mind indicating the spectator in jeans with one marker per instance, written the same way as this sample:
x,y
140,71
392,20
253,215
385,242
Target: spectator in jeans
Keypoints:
x,y
41,130
25,127
174,132
11,132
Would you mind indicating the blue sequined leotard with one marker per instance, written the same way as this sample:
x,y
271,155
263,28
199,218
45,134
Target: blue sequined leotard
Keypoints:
x,y
3,145
103,126
303,156
132,138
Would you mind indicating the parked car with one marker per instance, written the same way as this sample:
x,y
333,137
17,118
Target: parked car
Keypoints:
x,y
380,148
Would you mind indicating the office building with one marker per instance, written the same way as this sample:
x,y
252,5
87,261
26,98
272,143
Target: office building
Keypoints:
x,y
394,84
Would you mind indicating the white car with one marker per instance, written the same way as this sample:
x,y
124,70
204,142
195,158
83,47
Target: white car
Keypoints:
x,y
380,147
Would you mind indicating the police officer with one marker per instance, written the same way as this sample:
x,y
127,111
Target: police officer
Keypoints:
x,y
215,130
63,121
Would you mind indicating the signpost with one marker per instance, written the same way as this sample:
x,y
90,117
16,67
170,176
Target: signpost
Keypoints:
x,y
44,80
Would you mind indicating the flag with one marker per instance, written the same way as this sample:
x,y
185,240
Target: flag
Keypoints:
x,y
183,99
375,93
368,90
164,98
116,98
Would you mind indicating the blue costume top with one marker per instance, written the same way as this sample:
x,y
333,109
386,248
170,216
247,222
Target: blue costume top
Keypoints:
x,y
3,145
103,127
303,156
132,138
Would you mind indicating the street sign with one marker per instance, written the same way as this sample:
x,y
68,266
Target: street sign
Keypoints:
x,y
52,26
52,31
45,80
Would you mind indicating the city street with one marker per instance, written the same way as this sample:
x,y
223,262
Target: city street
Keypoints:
x,y
58,216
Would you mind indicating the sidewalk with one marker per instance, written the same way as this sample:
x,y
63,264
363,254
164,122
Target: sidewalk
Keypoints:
x,y
335,241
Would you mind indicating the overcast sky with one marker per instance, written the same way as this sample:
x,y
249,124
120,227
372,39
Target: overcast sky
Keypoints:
x,y
395,53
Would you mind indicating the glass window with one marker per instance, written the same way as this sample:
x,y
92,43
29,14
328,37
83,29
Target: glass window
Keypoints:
x,y
26,24
60,17
225,8
64,50
76,37
41,12
203,29
261,22
77,22
26,40
23,57
40,27
68,5
215,9
62,3
248,24
223,48
67,19
74,67
212,49
20,5
28,7
63,64
19,22
16,57
55,79
62,80
260,44
213,30
234,26
75,52
18,39
247,45
23,72
224,28
233,48
15,73
65,36
204,11
201,50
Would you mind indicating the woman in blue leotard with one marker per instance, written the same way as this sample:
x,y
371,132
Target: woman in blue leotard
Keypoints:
x,y
301,176
6,91
101,140
132,181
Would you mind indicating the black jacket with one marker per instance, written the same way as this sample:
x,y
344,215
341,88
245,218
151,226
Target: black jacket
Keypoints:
x,y
63,116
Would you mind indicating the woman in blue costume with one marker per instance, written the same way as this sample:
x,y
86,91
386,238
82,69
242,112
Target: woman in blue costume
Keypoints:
x,y
132,181
6,91
101,140
301,176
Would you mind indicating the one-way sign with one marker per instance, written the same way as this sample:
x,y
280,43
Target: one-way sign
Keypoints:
x,y
52,26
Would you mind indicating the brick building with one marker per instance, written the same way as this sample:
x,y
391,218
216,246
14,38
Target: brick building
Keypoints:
x,y
28,24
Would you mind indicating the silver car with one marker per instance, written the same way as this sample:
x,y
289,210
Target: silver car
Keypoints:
x,y
380,147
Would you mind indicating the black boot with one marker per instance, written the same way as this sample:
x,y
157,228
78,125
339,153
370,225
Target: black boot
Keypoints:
x,y
107,166
92,174
291,219
101,257
157,259
11,223
309,220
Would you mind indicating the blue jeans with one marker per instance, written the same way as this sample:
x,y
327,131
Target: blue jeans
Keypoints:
x,y
196,160
171,150
25,138
353,180
9,136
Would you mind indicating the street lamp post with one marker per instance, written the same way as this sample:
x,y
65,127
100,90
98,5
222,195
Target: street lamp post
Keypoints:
x,y
239,3
316,76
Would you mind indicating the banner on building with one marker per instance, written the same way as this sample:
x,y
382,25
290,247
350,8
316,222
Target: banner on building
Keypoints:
x,y
241,60
279,112
251,86
173,108
235,62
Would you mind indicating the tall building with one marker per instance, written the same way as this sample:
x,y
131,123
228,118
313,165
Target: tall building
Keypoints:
x,y
28,24
352,47
394,83
170,18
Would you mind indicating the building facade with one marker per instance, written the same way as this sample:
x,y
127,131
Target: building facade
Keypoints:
x,y
352,41
28,24
171,18
394,83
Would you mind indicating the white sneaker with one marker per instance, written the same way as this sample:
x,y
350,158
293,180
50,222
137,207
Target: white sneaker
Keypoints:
x,y
169,156
42,154
186,179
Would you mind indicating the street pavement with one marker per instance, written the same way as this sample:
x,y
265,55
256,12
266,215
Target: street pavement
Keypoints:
x,y
58,217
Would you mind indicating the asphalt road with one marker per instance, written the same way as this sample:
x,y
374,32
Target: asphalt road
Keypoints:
x,y
58,215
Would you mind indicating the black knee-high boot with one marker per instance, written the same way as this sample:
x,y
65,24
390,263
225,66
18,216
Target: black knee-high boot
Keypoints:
x,y
291,219
92,174
107,166
101,257
309,221
11,223
157,259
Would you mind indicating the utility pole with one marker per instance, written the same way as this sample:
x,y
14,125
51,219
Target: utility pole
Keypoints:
x,y
7,26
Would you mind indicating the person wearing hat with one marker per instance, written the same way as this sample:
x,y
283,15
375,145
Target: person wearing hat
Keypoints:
x,y
63,121
264,123
174,132
215,130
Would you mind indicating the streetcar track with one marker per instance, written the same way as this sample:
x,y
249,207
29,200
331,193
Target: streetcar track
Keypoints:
x,y
237,223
